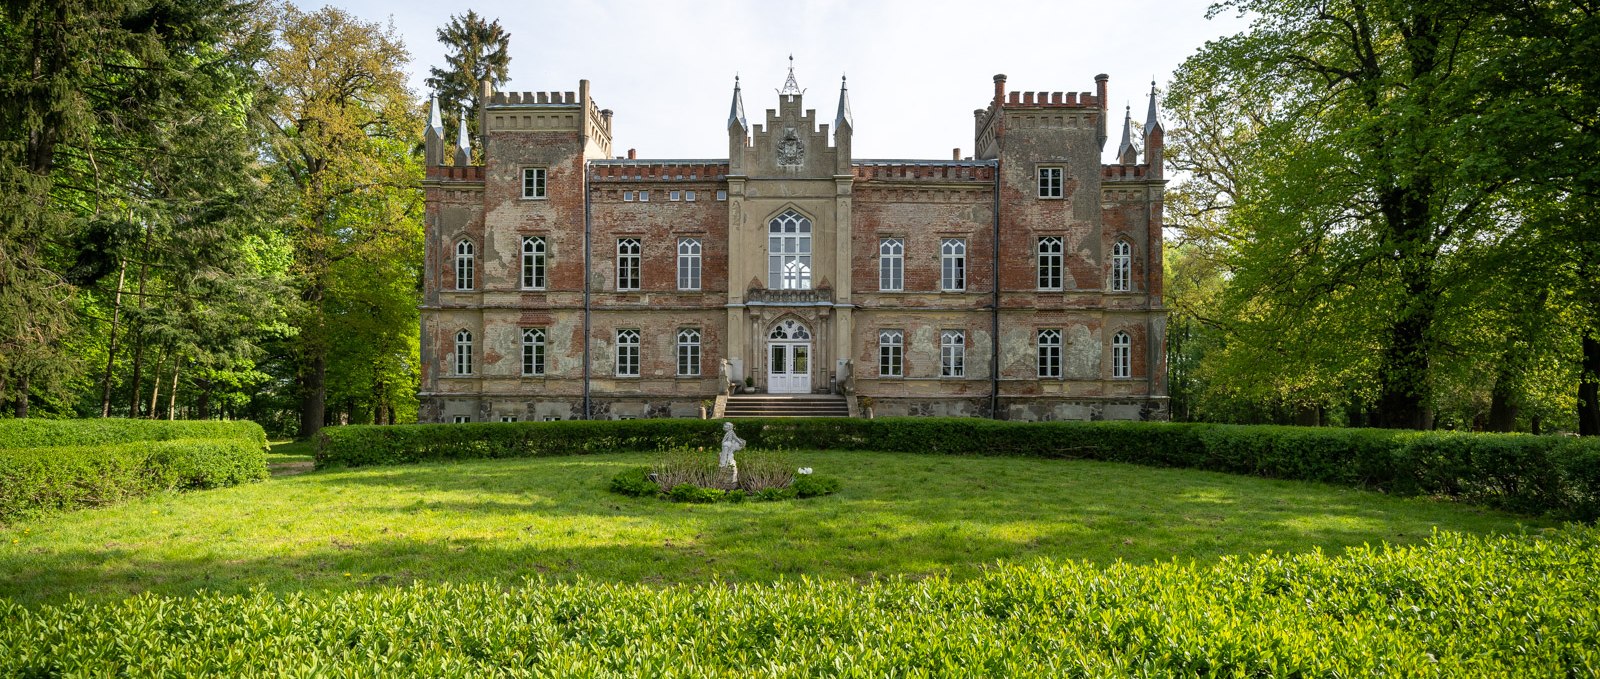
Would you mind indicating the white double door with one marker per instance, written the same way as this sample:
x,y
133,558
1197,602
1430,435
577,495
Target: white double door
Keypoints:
x,y
788,367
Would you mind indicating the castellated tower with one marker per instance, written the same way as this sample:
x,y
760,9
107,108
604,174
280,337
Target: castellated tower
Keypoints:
x,y
565,282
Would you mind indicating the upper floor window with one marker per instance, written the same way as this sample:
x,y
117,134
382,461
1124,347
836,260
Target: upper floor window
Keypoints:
x,y
627,353
1121,356
891,265
464,264
533,351
1049,182
722,195
953,264
952,353
688,264
688,352
1050,353
891,353
1121,266
674,195
533,182
533,263
644,196
627,196
688,196
629,254
789,252
463,357
1050,252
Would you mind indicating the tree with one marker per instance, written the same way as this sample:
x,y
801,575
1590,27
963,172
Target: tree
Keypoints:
x,y
341,104
476,50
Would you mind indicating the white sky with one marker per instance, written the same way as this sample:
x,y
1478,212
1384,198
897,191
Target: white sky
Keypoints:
x,y
917,69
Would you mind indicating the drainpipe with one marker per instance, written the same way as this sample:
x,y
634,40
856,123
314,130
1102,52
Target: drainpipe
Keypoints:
x,y
994,307
588,277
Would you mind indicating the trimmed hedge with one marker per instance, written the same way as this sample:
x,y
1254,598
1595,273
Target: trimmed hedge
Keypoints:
x,y
1518,606
83,471
36,433
1516,472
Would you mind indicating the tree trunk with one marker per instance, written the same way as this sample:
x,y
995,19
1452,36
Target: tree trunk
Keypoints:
x,y
111,344
138,347
1502,406
203,402
314,396
22,396
1589,386
172,394
155,384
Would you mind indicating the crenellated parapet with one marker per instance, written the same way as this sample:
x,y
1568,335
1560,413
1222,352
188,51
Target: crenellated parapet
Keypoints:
x,y
658,170
551,111
930,171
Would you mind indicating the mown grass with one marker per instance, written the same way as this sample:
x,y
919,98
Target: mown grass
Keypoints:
x,y
897,514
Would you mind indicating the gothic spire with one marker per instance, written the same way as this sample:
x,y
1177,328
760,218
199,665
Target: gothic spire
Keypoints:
x,y
736,111
1126,153
435,121
843,118
463,140
790,87
1150,118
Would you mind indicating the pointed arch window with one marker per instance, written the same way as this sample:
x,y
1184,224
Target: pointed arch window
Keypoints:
x,y
1121,266
689,264
953,264
1050,253
1050,353
891,264
1121,356
688,352
891,353
464,265
789,252
627,353
952,353
463,355
629,254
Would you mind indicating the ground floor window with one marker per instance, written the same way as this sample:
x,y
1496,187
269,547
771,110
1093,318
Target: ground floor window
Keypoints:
x,y
952,353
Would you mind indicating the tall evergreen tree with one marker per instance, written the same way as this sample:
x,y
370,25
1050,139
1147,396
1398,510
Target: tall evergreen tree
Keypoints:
x,y
476,50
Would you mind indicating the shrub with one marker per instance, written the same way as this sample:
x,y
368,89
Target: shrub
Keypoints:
x,y
635,483
1533,474
34,480
36,433
812,485
688,492
1514,606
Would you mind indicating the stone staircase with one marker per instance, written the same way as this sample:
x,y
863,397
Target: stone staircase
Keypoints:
x,y
787,405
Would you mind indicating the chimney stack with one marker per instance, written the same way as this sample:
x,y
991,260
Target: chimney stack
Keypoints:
x,y
633,154
999,89
955,153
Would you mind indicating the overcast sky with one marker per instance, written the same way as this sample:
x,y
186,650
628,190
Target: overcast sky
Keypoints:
x,y
916,69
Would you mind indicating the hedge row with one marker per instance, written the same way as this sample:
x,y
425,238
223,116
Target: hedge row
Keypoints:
x,y
153,457
1529,474
1518,606
36,433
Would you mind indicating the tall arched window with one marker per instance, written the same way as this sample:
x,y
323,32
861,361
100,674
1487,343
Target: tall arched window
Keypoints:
x,y
689,264
1050,251
789,252
891,353
533,351
688,352
1121,356
463,353
953,264
464,277
952,353
1121,266
629,258
627,353
891,264
1050,353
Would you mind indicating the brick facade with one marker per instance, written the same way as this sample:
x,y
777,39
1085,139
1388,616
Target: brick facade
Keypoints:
x,y
784,239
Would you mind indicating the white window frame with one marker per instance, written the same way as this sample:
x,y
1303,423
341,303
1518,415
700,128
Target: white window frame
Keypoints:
x,y
891,353
462,363
508,418
644,196
630,263
535,262
689,260
534,349
1051,251
789,251
1121,356
537,190
891,264
953,264
688,196
466,261
627,196
688,352
722,195
1052,179
952,353
1049,343
674,195
627,353
461,419
1121,266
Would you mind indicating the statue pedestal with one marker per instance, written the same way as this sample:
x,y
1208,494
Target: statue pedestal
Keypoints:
x,y
729,475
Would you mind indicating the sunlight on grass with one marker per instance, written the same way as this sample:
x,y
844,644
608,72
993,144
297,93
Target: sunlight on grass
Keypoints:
x,y
906,514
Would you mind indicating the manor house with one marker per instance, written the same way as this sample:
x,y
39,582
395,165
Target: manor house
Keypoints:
x,y
1020,282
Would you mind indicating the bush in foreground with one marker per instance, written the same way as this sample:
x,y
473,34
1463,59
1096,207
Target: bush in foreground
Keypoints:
x,y
85,472
1520,606
692,475
36,433
1531,474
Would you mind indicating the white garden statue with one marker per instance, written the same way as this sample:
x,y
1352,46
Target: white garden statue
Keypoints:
x,y
731,443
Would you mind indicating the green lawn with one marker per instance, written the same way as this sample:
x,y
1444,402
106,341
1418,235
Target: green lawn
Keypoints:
x,y
897,513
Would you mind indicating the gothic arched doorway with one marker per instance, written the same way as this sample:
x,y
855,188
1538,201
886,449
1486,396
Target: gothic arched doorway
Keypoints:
x,y
789,358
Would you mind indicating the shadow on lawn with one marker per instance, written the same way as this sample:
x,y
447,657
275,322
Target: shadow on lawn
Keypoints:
x,y
913,515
